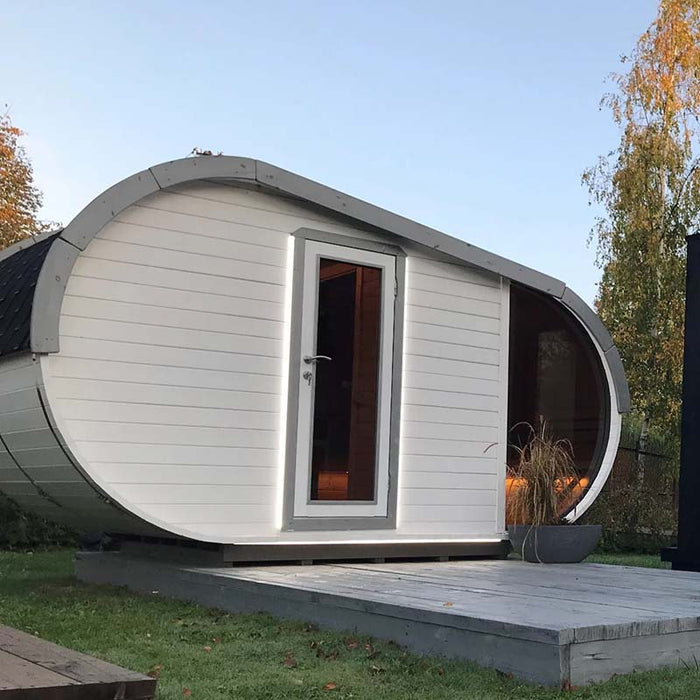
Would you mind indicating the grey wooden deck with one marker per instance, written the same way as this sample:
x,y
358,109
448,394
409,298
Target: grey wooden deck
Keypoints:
x,y
556,625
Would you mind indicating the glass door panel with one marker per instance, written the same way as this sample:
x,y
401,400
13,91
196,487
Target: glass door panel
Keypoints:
x,y
343,460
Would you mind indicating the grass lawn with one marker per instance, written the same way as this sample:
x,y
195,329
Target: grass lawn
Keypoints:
x,y
649,561
200,653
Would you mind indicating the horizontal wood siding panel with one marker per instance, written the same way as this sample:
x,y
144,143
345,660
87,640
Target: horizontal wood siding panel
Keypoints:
x,y
216,513
450,319
445,382
456,272
165,297
187,358
188,475
139,433
435,348
444,448
218,204
172,455
7,464
446,431
457,514
186,242
450,304
114,371
451,399
427,364
453,288
155,336
28,419
449,416
154,219
147,315
200,494
19,400
448,481
464,498
26,439
177,280
110,411
52,456
185,262
134,392
453,336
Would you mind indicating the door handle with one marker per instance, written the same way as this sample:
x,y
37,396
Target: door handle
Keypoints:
x,y
313,359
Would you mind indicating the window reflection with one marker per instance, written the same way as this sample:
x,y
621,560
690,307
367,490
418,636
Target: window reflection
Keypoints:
x,y
555,375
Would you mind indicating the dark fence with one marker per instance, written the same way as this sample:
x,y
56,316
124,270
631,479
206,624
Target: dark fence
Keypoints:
x,y
638,506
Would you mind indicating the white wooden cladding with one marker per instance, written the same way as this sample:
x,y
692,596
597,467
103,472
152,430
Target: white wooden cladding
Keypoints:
x,y
35,469
170,384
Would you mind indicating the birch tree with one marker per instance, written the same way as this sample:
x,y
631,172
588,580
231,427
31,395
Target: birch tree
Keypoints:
x,y
649,190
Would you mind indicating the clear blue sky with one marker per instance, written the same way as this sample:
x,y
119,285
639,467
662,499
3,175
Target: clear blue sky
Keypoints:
x,y
476,118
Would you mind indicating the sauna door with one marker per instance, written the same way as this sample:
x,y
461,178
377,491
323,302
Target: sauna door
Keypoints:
x,y
342,460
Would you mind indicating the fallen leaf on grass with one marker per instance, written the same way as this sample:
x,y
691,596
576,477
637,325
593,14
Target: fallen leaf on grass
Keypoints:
x,y
186,692
330,686
376,669
289,660
371,653
321,653
441,671
207,648
154,671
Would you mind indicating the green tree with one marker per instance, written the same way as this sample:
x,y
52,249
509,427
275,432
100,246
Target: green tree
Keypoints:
x,y
649,190
20,200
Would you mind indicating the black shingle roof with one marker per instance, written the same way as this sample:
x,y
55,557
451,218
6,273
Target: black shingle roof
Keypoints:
x,y
18,276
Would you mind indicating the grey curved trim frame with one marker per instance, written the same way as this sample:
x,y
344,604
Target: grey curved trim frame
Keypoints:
x,y
77,235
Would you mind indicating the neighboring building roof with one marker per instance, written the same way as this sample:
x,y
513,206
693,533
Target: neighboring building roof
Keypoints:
x,y
19,270
64,249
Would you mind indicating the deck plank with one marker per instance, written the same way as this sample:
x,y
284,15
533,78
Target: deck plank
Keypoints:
x,y
16,673
35,669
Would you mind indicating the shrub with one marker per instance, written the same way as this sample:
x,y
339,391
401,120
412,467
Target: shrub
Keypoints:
x,y
22,530
637,506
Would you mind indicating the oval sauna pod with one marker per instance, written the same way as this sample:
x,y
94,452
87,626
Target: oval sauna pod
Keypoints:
x,y
220,351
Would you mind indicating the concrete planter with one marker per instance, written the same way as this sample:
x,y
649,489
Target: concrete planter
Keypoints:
x,y
554,544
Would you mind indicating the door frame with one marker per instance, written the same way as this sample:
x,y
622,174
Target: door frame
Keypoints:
x,y
343,520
